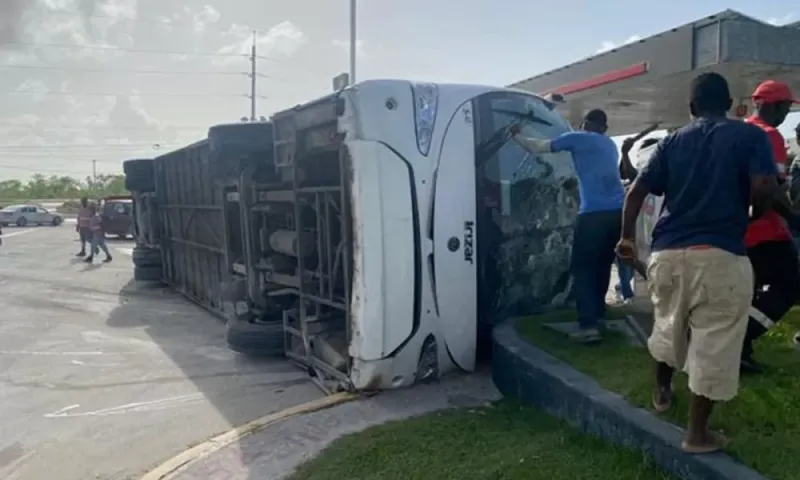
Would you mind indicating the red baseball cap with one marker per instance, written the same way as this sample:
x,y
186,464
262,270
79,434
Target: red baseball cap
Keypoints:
x,y
771,91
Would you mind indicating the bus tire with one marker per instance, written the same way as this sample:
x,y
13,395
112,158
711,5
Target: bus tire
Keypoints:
x,y
151,273
255,339
140,175
146,257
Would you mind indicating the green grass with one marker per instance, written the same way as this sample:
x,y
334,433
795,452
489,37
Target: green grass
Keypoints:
x,y
506,441
763,422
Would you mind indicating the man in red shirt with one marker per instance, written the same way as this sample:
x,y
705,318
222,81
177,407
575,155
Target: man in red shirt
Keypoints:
x,y
769,242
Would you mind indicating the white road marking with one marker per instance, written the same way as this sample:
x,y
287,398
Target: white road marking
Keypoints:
x,y
137,407
125,250
90,364
65,410
100,337
14,234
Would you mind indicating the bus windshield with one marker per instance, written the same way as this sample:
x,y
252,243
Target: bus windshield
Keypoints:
x,y
527,204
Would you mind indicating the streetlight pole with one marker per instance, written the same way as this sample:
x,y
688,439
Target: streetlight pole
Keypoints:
x,y
353,41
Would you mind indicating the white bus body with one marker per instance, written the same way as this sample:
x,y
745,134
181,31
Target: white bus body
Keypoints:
x,y
431,245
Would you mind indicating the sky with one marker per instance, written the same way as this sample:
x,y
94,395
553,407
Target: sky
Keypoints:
x,y
109,80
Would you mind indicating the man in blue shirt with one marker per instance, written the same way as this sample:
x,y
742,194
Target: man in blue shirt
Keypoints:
x,y
597,228
699,275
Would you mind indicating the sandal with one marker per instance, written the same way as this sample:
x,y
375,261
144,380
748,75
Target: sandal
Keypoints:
x,y
716,442
662,399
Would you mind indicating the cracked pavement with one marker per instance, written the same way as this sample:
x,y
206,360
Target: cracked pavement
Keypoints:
x,y
101,380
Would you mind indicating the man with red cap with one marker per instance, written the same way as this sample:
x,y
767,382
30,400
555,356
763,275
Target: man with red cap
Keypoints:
x,y
769,242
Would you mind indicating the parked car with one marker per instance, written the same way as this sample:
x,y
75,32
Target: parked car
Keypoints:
x,y
24,215
118,216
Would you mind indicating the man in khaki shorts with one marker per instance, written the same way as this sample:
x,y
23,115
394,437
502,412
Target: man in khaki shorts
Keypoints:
x,y
699,276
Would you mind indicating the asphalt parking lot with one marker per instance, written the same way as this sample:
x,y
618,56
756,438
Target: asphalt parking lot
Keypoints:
x,y
101,379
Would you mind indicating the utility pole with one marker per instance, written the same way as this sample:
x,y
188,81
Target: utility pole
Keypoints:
x,y
353,41
253,79
94,172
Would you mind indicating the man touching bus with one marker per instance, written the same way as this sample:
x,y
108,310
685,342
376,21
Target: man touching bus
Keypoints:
x,y
596,161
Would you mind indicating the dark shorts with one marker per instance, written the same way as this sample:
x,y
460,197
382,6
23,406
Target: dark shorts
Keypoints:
x,y
85,234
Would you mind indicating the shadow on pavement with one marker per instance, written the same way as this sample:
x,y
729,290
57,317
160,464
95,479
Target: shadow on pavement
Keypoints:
x,y
240,389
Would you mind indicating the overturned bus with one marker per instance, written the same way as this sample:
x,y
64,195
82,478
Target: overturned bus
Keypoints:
x,y
377,234
379,238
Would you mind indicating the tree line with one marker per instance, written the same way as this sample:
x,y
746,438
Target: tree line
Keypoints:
x,y
41,187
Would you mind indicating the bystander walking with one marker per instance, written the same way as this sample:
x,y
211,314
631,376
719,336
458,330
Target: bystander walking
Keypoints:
x,y
83,226
98,236
699,276
769,242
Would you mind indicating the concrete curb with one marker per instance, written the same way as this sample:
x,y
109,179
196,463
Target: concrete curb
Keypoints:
x,y
172,467
523,371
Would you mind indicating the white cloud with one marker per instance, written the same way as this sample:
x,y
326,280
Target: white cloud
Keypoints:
x,y
778,21
344,45
101,23
282,40
200,18
36,88
207,16
609,45
119,9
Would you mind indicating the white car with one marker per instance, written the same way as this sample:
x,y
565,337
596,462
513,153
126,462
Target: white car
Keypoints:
x,y
651,209
24,215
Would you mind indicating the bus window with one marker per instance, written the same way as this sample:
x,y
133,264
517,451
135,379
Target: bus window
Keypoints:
x,y
527,205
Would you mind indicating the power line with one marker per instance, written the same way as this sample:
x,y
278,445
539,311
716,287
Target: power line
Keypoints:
x,y
87,145
6,126
70,68
154,21
118,70
75,153
39,170
129,94
111,48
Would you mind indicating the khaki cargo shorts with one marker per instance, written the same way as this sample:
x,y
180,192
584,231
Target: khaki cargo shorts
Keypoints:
x,y
706,292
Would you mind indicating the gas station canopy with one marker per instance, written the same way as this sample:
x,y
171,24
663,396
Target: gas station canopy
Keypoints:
x,y
648,81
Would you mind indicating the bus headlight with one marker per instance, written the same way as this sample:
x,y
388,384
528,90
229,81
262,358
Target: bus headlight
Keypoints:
x,y
426,103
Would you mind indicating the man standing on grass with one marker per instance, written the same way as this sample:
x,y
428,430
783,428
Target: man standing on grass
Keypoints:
x,y
596,161
769,241
628,173
699,276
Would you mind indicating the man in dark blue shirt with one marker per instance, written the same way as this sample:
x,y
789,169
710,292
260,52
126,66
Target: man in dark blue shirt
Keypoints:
x,y
596,161
699,276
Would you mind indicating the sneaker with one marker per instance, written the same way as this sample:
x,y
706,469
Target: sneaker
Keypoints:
x,y
586,335
80,254
107,259
89,260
